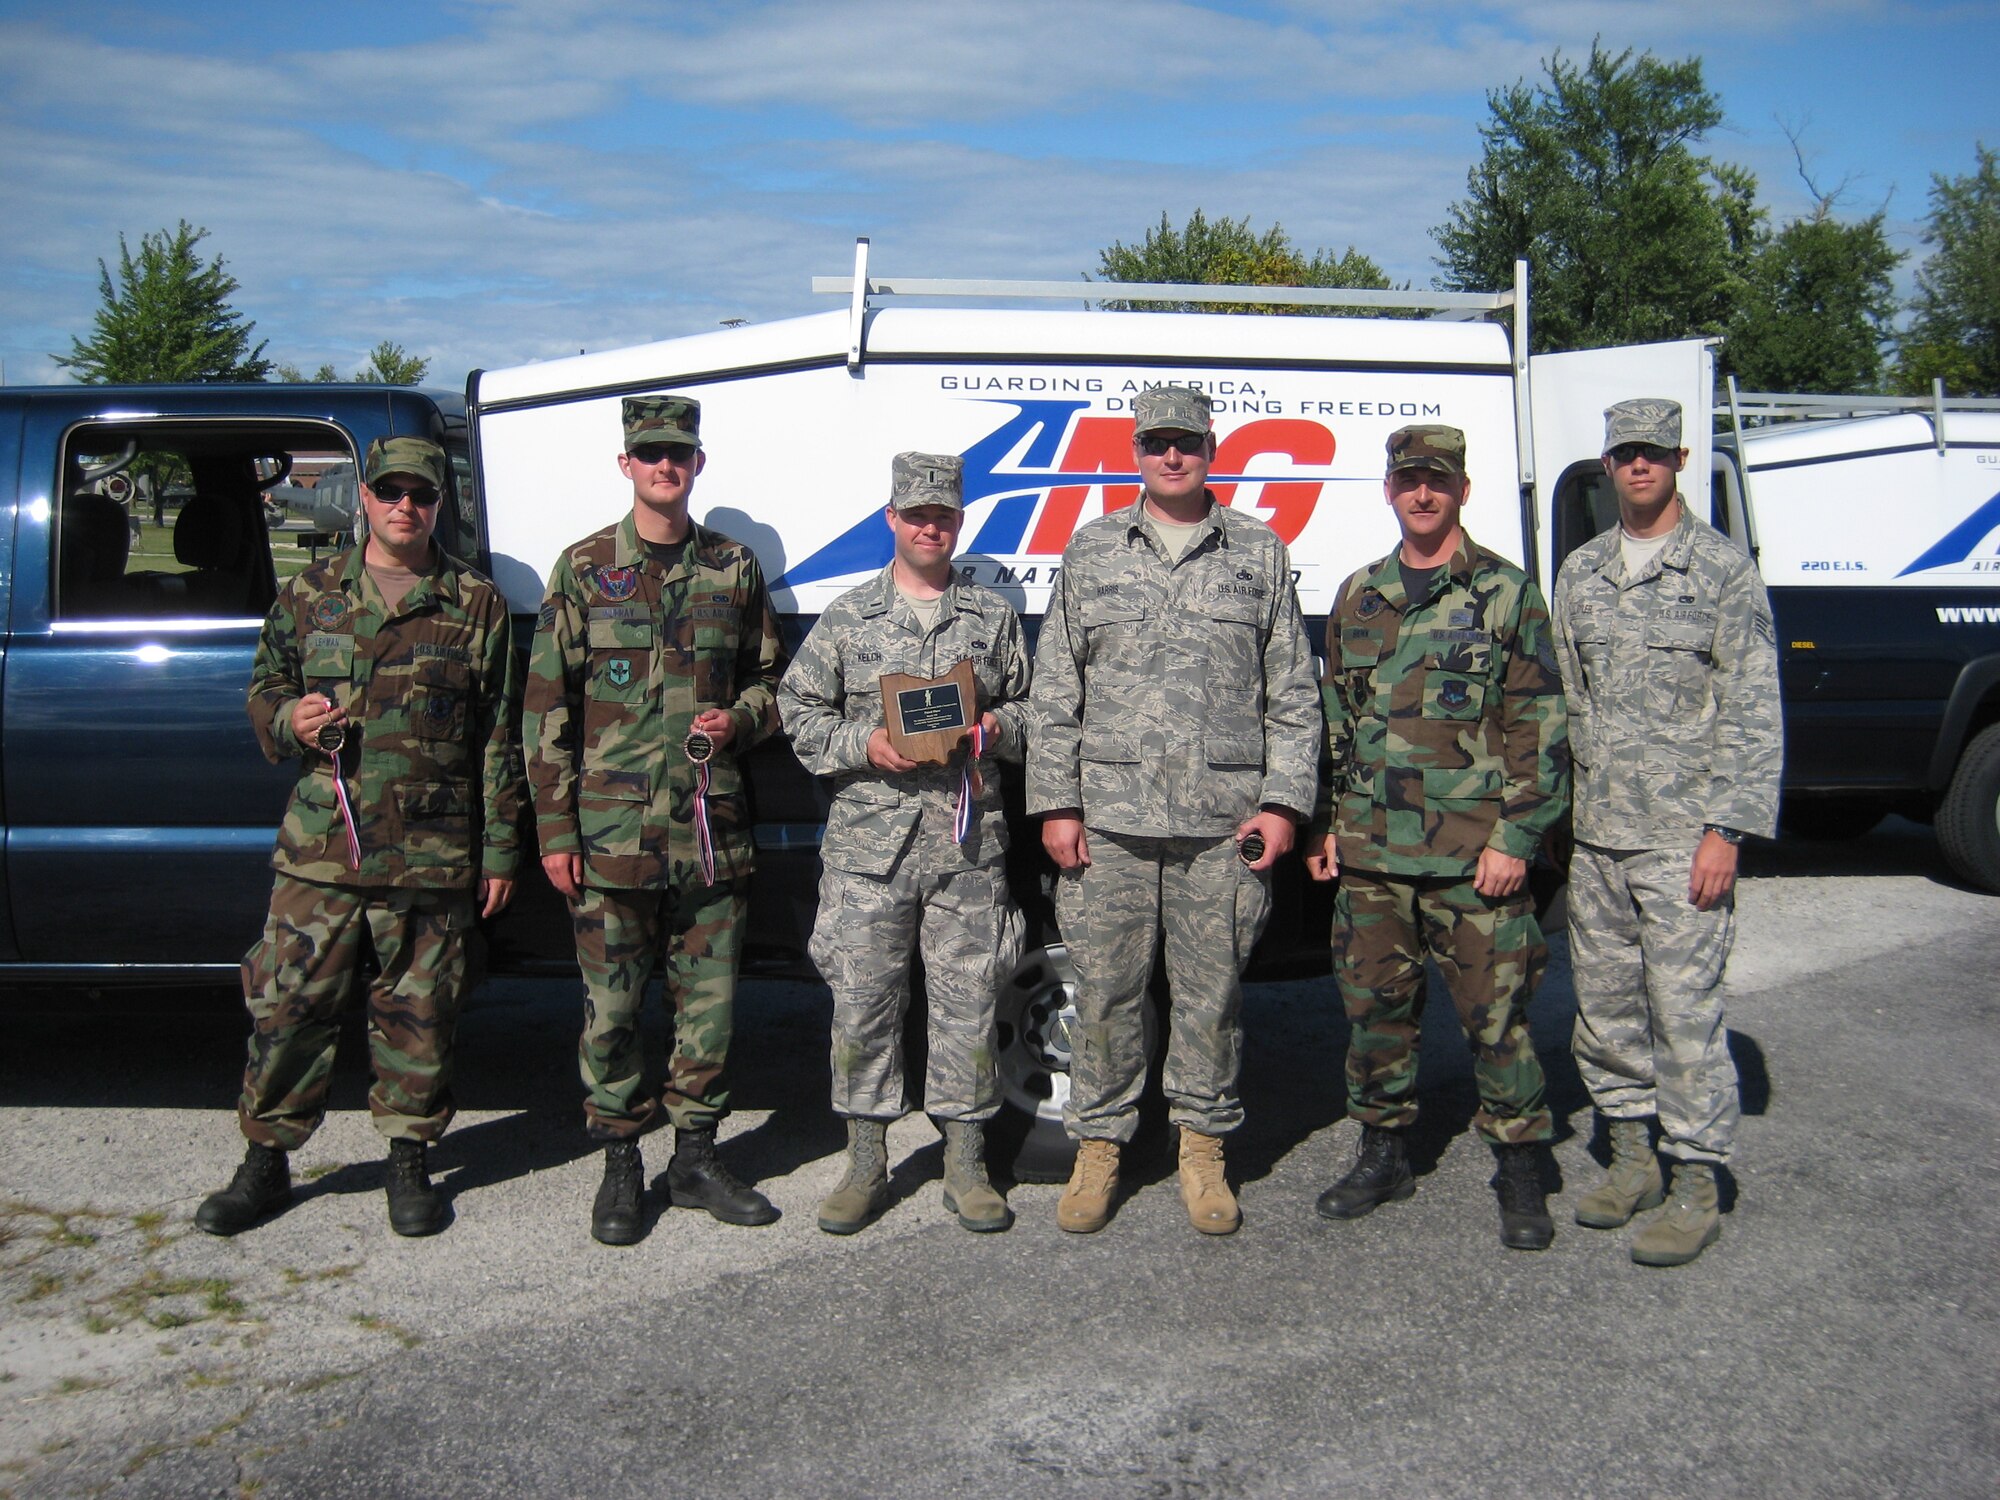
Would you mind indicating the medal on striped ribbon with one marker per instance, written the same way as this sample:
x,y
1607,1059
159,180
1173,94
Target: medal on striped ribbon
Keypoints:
x,y
961,821
330,740
700,749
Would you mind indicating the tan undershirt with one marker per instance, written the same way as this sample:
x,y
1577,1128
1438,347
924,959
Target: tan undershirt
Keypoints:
x,y
1173,537
926,610
1640,550
393,583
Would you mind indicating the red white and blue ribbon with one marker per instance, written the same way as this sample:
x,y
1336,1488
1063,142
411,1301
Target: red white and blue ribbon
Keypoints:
x,y
346,814
961,820
704,835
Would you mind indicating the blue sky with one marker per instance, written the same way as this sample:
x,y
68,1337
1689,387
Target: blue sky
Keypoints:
x,y
489,182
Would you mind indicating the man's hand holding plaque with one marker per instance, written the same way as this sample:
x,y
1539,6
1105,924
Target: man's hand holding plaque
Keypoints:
x,y
928,717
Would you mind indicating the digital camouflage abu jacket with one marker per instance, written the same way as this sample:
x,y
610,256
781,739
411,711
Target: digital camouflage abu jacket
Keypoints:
x,y
1675,719
1172,700
831,703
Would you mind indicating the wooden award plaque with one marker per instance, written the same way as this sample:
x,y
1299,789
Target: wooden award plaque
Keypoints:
x,y
927,717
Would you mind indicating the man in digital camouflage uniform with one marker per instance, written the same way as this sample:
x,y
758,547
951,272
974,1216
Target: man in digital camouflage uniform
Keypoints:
x,y
905,861
1670,662
388,671
1447,766
1175,755
655,668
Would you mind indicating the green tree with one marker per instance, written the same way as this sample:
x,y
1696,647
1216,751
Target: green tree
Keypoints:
x,y
1226,252
1591,176
1818,302
388,364
167,318
1955,331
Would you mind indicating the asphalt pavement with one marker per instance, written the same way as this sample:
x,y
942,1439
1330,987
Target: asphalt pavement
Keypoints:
x,y
1839,1340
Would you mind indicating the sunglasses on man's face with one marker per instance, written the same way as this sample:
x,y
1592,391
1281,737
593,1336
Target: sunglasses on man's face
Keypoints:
x,y
650,454
1624,453
1191,444
425,495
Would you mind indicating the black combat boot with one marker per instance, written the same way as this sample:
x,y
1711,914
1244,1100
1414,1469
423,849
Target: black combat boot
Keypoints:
x,y
696,1178
617,1217
1381,1174
414,1207
261,1187
1524,1211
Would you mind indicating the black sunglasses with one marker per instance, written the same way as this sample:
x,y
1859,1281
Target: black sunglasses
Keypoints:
x,y
425,495
1191,444
651,453
1624,453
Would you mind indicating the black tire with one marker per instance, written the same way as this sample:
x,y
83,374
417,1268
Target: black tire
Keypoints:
x,y
1036,1009
1968,820
1830,818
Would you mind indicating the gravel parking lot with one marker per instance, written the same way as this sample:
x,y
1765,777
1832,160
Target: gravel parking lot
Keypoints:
x,y
1839,1340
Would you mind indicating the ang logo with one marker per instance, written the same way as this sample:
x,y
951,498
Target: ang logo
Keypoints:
x,y
1038,497
1957,544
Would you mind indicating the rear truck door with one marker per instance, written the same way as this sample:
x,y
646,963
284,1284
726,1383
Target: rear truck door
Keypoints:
x,y
1571,494
144,811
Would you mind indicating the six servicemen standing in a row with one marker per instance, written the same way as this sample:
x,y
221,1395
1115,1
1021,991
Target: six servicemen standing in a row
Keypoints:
x,y
1174,750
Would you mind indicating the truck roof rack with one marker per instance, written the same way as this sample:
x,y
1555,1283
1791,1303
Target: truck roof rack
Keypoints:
x,y
1767,408
864,291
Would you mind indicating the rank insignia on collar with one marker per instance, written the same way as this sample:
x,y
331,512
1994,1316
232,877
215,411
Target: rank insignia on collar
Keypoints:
x,y
1369,607
618,671
328,611
618,583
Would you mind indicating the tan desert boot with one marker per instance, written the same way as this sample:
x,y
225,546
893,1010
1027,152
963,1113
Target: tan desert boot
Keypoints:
x,y
1085,1206
1204,1188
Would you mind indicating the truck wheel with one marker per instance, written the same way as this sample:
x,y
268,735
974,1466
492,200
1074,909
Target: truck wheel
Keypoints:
x,y
1036,1017
1829,818
1968,820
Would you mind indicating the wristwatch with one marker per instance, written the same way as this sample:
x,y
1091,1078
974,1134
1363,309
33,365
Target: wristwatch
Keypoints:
x,y
1727,835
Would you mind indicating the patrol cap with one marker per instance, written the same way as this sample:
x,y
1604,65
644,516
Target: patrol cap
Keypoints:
x,y
927,479
404,455
1647,419
1427,446
662,419
1172,408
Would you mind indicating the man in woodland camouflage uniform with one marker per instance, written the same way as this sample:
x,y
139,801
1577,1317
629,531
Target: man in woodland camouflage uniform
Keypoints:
x,y
388,671
1447,767
905,861
1670,662
655,667
1176,738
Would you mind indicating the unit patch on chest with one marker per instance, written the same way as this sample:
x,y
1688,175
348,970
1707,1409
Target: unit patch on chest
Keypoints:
x,y
618,583
328,611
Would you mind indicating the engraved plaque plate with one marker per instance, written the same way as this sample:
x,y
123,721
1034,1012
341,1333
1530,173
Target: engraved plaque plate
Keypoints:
x,y
927,717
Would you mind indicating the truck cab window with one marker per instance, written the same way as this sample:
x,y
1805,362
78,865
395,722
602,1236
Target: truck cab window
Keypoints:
x,y
191,520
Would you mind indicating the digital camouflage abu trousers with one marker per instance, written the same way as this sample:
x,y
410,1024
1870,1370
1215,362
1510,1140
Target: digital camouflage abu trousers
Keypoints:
x,y
1649,1035
691,930
296,977
1490,953
867,928
1211,908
